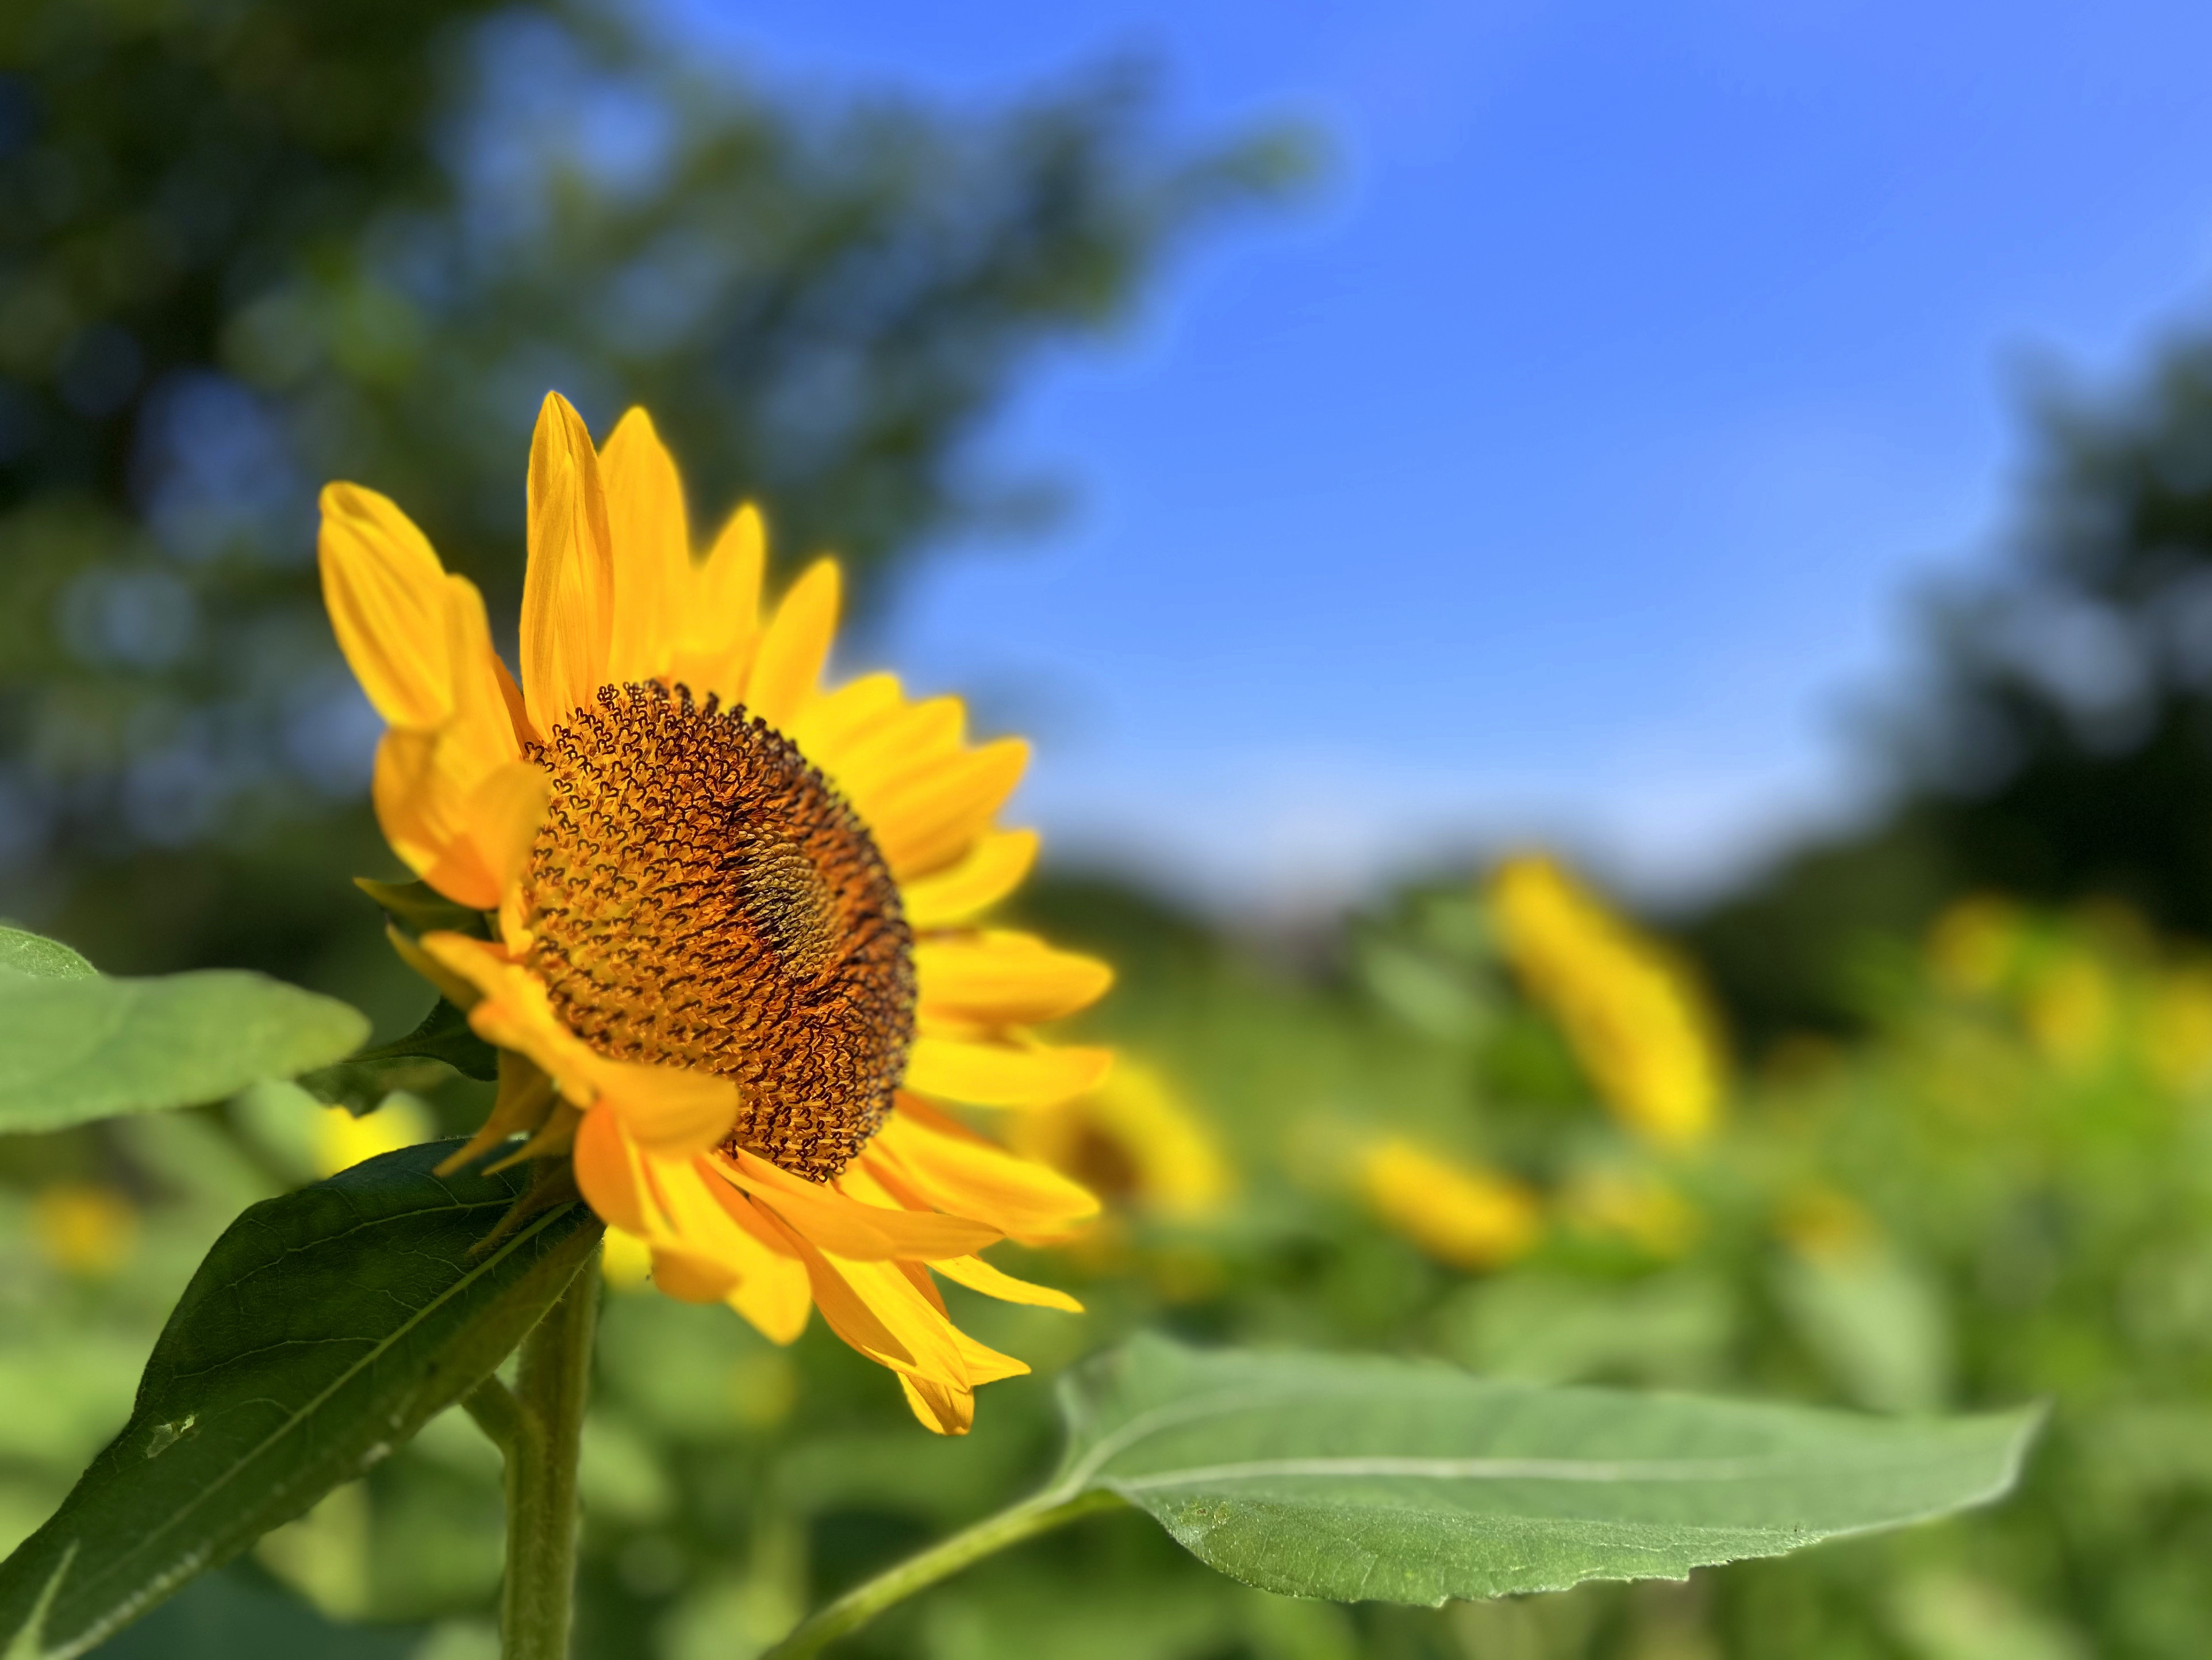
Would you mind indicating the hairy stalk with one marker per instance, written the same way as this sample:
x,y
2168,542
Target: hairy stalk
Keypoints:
x,y
539,1426
865,1602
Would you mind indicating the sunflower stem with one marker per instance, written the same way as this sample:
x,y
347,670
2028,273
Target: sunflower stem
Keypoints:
x,y
994,1533
539,1426
496,1413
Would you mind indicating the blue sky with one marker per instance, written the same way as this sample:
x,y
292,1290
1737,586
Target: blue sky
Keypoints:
x,y
1563,468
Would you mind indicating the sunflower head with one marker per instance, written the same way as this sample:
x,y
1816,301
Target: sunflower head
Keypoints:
x,y
737,967
699,897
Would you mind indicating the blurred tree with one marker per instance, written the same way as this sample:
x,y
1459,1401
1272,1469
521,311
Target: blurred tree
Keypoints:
x,y
248,245
2062,748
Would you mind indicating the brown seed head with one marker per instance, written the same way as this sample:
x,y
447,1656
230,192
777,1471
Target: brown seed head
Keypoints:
x,y
699,897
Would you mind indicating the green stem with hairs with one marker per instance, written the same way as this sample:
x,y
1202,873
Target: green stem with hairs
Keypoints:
x,y
539,1426
895,1584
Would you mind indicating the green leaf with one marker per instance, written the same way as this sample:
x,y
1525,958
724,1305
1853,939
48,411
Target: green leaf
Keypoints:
x,y
76,1045
421,908
416,1062
25,952
323,1330
1407,1481
443,1035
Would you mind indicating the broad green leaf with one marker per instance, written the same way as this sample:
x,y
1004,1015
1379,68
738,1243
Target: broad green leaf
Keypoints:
x,y
76,1045
323,1330
1407,1482
417,1062
25,952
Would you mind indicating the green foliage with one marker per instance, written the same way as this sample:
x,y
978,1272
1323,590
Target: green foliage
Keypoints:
x,y
421,908
1354,1478
248,246
1999,1199
323,1330
443,1035
26,953
2057,744
75,1045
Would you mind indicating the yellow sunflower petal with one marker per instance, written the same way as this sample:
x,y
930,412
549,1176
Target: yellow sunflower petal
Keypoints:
x,y
427,782
668,1108
992,868
984,1363
947,1411
699,1253
568,584
509,1010
518,710
848,1314
384,587
650,544
901,746
703,1251
720,629
977,1274
927,823
827,727
774,1295
914,1321
1002,978
848,1226
986,1073
689,1278
479,701
416,808
795,646
488,843
504,813
606,1165
429,785
946,1165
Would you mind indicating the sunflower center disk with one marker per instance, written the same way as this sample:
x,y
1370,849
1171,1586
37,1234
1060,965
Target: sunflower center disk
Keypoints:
x,y
700,897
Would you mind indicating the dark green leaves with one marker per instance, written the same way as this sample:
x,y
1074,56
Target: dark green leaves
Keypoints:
x,y
444,1038
1410,1482
76,1045
323,1330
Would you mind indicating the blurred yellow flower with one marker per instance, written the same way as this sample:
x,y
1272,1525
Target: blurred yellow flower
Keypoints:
x,y
1822,1223
1635,1206
1637,1019
2069,1010
84,1227
1459,1214
343,1140
1974,944
1133,1138
2176,1037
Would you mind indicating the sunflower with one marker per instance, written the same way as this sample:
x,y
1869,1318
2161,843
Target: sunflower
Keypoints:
x,y
734,965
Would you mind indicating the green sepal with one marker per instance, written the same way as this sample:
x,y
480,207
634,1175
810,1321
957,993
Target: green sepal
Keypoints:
x,y
421,908
417,1062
